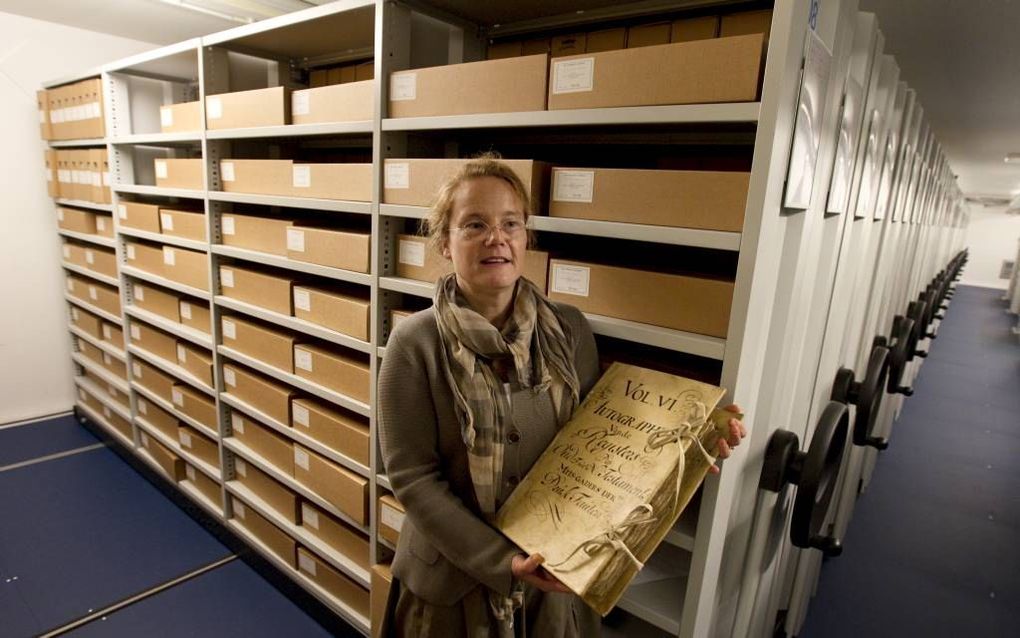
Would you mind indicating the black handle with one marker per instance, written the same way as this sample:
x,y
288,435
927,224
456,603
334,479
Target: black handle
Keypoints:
x,y
915,312
865,395
813,472
902,328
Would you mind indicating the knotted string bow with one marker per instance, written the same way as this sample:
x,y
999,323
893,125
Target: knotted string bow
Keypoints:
x,y
612,537
685,430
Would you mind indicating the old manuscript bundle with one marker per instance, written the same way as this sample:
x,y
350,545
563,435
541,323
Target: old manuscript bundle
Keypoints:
x,y
615,479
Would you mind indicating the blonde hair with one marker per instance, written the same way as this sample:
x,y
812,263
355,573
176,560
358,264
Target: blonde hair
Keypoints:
x,y
437,224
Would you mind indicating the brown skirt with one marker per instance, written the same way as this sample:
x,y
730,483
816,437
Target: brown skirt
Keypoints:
x,y
546,615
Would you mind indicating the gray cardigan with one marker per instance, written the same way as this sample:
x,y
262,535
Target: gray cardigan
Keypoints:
x,y
446,548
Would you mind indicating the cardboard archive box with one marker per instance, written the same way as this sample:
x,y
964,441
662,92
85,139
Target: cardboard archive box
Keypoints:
x,y
180,173
245,109
195,315
121,398
184,117
153,380
118,422
501,50
147,257
746,22
271,346
76,220
335,533
278,497
196,360
352,102
382,580
396,316
347,314
691,304
701,72
263,234
646,35
391,517
266,289
337,584
711,200
188,267
90,351
276,540
42,101
186,224
341,249
263,394
100,260
153,341
158,301
158,418
692,29
572,44
204,484
257,176
337,430
415,182
198,445
274,448
606,40
333,369
167,460
113,334
104,225
99,295
490,86
197,405
345,181
338,486
415,260
87,322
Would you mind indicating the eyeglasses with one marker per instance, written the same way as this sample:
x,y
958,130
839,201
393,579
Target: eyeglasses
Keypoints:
x,y
475,229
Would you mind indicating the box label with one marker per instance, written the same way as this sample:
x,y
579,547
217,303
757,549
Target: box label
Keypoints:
x,y
296,240
131,252
229,378
143,407
107,332
302,176
303,359
178,397
227,172
185,439
107,359
571,280
299,103
574,76
411,253
182,354
90,257
403,87
136,333
241,467
106,178
139,292
122,211
70,285
186,310
236,422
190,472
112,391
302,300
60,214
106,412
227,278
306,564
166,221
93,293
397,176
136,370
214,108
301,459
227,224
101,223
392,518
144,438
229,329
300,415
81,395
169,256
309,517
166,116
238,508
74,315
161,172
573,186
67,251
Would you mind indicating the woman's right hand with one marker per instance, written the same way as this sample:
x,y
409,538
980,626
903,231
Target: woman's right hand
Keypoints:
x,y
529,569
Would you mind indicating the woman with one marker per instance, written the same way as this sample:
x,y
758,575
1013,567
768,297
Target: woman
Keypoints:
x,y
471,392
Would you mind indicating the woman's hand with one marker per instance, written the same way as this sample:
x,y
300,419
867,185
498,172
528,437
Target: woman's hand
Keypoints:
x,y
529,569
737,432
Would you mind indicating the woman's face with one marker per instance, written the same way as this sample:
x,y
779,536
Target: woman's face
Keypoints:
x,y
487,238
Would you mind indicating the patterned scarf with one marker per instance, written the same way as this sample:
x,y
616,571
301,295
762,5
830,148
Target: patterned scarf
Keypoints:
x,y
540,343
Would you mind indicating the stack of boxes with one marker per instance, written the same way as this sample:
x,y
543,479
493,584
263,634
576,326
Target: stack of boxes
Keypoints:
x,y
81,174
72,112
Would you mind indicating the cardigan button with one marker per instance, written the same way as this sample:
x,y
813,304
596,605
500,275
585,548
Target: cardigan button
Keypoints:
x,y
513,436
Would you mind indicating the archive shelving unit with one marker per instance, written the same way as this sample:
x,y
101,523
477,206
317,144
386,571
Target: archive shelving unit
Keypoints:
x,y
794,270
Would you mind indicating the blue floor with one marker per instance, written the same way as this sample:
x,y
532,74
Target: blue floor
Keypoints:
x,y
33,440
933,547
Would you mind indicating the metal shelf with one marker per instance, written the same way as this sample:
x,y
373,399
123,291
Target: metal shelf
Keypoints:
x,y
293,323
380,352
93,141
186,486
155,139
99,240
307,203
157,191
100,372
84,305
656,594
716,239
683,533
172,409
112,431
295,434
400,210
296,381
383,480
288,481
209,470
298,533
184,332
172,369
106,279
689,342
293,130
290,264
105,346
80,203
163,281
620,116
165,239
103,397
407,286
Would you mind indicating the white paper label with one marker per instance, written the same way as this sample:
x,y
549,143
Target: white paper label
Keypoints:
x,y
60,214
296,240
131,252
81,395
169,256
300,415
106,178
302,300
107,359
136,370
306,564
302,176
182,354
90,257
143,407
93,293
185,439
309,517
101,224
122,211
229,378
227,171
70,285
241,468
573,186
74,315
190,472
227,224
166,116
303,359
186,310
392,518
166,221
107,333
42,116
403,87
397,175
226,278
301,458
411,252
112,391
139,292
238,508
136,333
106,412
229,329
573,76
145,439
214,108
161,169
49,176
236,422
571,280
67,251
178,397
299,103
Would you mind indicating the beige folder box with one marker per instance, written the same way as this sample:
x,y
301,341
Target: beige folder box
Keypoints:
x,y
347,314
415,182
76,220
195,404
156,300
104,225
113,334
188,267
100,260
569,44
335,533
501,50
204,484
87,322
195,314
341,249
338,430
196,360
263,234
119,423
279,542
198,445
180,173
645,35
257,176
153,341
158,418
352,102
391,517
341,488
144,256
364,71
333,369
121,398
278,497
266,289
334,582
187,224
382,581
416,260
159,383
271,346
350,181
167,460
746,22
246,109
691,29
606,40
184,117
103,296
274,448
261,393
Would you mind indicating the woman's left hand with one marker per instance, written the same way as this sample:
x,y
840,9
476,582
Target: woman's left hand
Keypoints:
x,y
726,445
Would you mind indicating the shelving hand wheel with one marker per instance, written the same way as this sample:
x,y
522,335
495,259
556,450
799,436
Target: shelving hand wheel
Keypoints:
x,y
866,395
